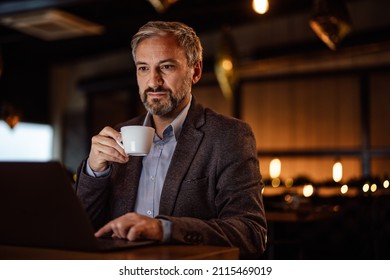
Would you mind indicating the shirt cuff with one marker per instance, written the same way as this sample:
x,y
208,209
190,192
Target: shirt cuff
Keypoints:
x,y
166,226
96,174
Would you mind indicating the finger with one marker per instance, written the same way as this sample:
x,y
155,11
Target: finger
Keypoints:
x,y
106,135
107,148
135,233
104,150
110,132
120,228
103,230
146,229
110,228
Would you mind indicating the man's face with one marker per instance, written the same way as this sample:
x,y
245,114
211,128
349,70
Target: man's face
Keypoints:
x,y
163,76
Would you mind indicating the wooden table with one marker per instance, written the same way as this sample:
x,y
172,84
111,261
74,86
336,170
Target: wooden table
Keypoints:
x,y
152,252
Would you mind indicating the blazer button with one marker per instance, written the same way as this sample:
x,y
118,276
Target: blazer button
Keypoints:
x,y
193,238
188,238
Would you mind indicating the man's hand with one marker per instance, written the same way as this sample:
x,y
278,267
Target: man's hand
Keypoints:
x,y
105,149
133,226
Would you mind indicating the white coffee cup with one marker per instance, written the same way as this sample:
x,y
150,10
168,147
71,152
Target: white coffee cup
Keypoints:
x,y
137,140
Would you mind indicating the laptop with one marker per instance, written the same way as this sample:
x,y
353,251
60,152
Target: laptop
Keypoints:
x,y
38,208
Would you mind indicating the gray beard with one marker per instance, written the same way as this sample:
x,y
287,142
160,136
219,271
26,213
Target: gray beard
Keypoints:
x,y
154,106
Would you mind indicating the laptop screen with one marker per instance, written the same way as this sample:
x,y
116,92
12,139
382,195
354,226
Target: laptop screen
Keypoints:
x,y
38,207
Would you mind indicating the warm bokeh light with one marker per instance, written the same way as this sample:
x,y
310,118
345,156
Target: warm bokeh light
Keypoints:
x,y
227,64
275,167
289,182
288,198
373,188
308,190
337,171
12,120
275,182
260,6
386,184
366,187
344,189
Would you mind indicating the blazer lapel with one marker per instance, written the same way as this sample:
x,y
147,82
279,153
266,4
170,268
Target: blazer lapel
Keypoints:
x,y
186,148
129,186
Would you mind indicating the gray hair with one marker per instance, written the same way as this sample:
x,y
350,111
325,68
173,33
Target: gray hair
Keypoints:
x,y
186,38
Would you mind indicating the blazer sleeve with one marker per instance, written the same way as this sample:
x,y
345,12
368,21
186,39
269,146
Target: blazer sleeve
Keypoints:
x,y
93,194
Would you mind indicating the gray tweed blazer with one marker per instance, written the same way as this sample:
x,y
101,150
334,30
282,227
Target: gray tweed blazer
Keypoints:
x,y
212,191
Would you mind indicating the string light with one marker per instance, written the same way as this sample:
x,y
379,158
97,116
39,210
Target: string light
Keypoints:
x,y
337,171
289,182
275,182
308,190
275,167
344,189
305,186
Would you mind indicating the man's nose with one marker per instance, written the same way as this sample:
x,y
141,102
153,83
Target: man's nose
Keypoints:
x,y
156,79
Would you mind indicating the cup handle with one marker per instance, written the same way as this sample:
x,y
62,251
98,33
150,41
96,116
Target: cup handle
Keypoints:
x,y
120,144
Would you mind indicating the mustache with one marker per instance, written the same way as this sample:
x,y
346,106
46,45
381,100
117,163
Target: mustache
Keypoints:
x,y
157,89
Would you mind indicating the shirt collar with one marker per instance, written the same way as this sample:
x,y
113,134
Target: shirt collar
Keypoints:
x,y
176,124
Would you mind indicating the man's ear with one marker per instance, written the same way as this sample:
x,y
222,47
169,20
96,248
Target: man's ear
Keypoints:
x,y
197,72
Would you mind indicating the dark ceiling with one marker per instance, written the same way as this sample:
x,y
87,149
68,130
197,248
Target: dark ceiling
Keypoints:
x,y
121,18
27,59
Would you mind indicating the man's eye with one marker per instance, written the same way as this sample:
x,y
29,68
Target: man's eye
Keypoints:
x,y
167,67
142,68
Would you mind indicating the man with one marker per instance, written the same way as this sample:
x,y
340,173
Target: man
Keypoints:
x,y
200,184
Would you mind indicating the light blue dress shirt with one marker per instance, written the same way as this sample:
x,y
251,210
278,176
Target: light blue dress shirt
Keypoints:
x,y
155,168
